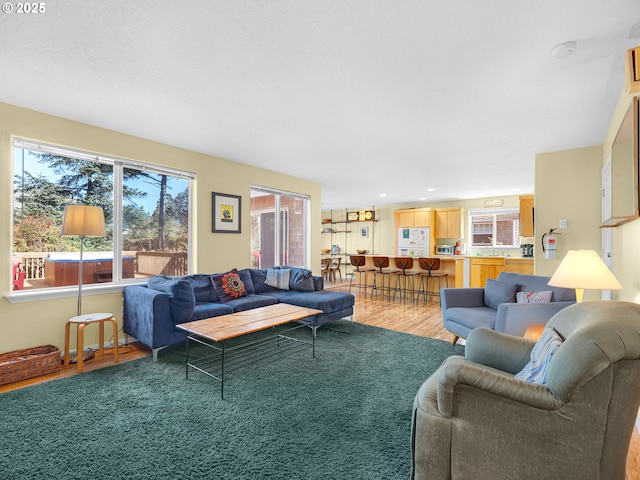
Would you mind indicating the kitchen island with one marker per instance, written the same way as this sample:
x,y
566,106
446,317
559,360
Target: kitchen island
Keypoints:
x,y
465,270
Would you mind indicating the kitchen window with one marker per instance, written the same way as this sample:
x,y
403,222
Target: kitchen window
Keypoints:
x,y
147,212
498,228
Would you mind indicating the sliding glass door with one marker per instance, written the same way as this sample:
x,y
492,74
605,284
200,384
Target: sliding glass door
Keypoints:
x,y
280,239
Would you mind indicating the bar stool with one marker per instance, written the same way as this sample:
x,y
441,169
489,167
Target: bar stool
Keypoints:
x,y
430,265
382,264
82,321
404,265
358,262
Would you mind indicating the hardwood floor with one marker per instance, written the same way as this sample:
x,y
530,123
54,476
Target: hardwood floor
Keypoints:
x,y
400,315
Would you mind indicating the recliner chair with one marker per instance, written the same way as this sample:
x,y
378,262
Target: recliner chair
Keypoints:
x,y
473,419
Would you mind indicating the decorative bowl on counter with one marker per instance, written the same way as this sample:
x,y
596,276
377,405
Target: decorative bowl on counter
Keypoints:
x,y
326,250
326,220
362,252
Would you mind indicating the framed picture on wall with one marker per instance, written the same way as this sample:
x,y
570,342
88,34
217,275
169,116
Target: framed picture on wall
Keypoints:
x,y
226,213
364,232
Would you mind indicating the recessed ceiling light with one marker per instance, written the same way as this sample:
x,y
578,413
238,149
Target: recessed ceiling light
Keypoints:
x,y
564,50
422,198
383,194
431,189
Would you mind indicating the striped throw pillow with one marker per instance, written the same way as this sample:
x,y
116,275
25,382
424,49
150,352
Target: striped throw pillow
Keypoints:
x,y
534,297
278,278
536,370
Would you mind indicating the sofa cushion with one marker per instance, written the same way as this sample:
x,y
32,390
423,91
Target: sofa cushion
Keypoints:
x,y
245,276
471,317
301,279
228,285
497,292
278,278
251,301
182,301
325,300
533,297
209,310
258,276
536,370
202,287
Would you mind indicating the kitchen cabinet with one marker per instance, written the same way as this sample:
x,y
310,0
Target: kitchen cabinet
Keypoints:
x,y
481,268
526,215
414,217
448,223
519,265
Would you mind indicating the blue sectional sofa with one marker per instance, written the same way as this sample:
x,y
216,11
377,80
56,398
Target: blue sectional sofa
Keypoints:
x,y
152,311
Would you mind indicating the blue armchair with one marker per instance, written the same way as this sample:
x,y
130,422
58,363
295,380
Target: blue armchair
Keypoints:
x,y
495,306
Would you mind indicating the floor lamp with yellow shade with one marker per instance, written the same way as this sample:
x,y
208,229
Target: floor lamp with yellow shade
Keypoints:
x,y
82,221
85,221
582,269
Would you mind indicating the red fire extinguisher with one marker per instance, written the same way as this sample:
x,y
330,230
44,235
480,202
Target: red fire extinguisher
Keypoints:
x,y
458,250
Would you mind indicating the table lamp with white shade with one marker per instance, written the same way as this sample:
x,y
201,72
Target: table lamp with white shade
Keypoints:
x,y
82,221
582,269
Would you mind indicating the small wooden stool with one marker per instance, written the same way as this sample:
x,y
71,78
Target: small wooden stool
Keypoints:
x,y
82,321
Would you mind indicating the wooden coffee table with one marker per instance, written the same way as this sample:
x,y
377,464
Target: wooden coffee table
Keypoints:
x,y
222,358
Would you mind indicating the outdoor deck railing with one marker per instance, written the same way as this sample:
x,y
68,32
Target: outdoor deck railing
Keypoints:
x,y
146,263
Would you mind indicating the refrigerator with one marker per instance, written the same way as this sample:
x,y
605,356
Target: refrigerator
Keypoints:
x,y
413,242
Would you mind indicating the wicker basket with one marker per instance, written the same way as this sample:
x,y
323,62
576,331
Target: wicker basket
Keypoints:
x,y
29,362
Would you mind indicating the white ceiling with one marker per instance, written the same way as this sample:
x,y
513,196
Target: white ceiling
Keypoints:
x,y
363,96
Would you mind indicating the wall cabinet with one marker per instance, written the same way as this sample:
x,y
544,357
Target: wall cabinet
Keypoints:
x,y
415,217
482,268
448,223
526,216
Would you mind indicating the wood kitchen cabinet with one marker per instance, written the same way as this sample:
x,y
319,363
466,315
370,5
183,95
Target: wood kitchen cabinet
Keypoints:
x,y
482,268
526,215
519,265
414,217
448,222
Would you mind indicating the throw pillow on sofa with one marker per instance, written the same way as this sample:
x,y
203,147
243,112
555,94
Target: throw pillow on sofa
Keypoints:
x,y
536,370
534,297
278,278
301,279
228,286
497,292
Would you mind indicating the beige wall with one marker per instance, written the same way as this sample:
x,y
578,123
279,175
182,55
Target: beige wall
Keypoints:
x,y
42,322
568,186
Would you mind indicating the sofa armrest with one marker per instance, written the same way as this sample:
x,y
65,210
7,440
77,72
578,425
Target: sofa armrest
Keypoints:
x,y
498,350
318,283
457,371
514,318
461,297
147,315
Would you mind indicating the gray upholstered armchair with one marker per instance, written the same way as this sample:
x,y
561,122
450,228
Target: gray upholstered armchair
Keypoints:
x,y
496,305
473,419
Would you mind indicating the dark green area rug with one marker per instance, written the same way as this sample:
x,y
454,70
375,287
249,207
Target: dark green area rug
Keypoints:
x,y
344,415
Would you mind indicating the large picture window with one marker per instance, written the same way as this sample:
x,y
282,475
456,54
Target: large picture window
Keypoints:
x,y
280,238
494,228
146,208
